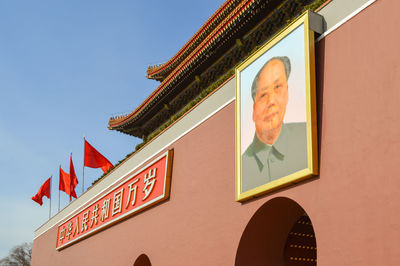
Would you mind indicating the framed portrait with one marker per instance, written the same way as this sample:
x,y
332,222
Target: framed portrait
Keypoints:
x,y
276,129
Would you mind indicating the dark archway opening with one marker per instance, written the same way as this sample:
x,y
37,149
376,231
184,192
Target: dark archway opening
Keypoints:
x,y
301,247
268,235
142,260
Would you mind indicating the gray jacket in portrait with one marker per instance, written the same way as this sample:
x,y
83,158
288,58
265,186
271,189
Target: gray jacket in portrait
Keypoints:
x,y
263,163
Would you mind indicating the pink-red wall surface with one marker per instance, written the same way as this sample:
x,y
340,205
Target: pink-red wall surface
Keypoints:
x,y
353,204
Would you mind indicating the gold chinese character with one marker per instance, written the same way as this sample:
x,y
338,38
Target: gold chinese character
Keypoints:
x,y
62,234
105,209
85,219
76,230
69,229
149,180
94,215
117,203
134,189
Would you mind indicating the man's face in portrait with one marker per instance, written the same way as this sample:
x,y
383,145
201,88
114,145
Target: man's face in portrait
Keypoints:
x,y
270,102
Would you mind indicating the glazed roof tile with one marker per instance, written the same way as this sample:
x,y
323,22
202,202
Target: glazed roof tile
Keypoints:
x,y
162,70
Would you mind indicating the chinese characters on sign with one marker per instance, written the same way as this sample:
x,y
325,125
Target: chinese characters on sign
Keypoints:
x,y
135,192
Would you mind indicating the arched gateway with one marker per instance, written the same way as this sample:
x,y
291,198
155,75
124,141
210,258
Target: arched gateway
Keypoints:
x,y
142,260
279,233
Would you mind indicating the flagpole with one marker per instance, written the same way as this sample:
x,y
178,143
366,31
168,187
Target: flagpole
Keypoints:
x,y
59,193
83,167
70,159
51,177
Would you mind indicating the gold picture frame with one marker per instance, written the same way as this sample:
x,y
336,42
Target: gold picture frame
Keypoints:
x,y
297,39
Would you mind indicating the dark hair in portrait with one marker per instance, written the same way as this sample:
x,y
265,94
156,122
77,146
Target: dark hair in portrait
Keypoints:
x,y
286,63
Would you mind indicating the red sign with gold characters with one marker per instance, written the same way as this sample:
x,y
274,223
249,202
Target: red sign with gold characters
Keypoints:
x,y
133,193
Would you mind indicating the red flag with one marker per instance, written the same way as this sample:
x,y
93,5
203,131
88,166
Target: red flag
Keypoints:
x,y
74,179
44,190
65,184
94,159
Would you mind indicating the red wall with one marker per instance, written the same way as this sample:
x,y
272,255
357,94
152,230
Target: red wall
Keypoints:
x,y
353,203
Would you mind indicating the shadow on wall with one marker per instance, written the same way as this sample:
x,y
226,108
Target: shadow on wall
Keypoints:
x,y
142,260
265,240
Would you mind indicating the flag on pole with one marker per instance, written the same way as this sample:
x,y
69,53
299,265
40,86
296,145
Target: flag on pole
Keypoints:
x,y
64,180
44,190
95,159
74,179
65,184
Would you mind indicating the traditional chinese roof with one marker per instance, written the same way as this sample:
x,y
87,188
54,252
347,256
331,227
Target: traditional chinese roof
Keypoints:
x,y
229,35
160,72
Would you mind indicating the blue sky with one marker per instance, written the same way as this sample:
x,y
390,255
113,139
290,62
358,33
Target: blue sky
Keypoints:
x,y
66,67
